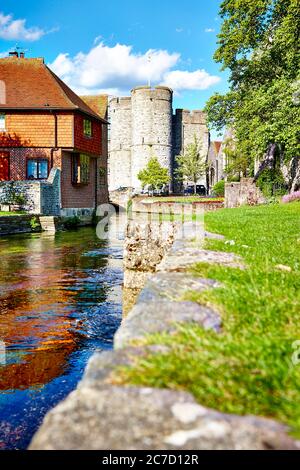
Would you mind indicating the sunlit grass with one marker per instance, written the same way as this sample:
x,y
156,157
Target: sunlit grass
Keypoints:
x,y
5,213
248,368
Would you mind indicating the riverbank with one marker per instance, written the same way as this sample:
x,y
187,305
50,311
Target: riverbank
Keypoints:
x,y
14,223
215,325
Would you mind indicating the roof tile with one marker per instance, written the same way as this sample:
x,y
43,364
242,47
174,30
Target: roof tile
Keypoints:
x,y
30,84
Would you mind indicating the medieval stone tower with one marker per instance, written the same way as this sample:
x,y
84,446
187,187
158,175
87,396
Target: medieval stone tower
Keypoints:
x,y
151,128
119,145
142,126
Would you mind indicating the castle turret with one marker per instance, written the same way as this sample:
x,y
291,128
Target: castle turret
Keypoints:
x,y
151,128
120,143
186,125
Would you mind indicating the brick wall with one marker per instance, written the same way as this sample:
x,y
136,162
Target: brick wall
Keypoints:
x,y
77,196
19,156
87,144
32,135
38,129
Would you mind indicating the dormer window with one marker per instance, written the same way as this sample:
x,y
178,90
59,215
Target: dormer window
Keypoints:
x,y
87,127
2,123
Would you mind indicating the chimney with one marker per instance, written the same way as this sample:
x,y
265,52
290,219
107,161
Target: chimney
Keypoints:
x,y
14,54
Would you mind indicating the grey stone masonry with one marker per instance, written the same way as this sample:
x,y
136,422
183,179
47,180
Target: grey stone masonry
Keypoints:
x,y
142,126
12,225
42,197
243,193
151,128
119,168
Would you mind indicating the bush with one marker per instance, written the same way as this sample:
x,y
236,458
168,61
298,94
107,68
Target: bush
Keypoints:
x,y
272,183
291,197
72,222
34,223
219,189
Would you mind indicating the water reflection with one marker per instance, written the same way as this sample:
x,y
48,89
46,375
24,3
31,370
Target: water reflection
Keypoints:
x,y
60,299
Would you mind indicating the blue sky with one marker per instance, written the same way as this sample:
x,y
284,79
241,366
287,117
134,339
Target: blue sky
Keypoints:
x,y
98,46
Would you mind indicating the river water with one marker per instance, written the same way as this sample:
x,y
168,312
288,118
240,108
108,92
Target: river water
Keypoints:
x,y
60,300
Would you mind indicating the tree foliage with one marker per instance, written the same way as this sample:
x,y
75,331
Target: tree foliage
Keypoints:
x,y
191,164
259,44
154,175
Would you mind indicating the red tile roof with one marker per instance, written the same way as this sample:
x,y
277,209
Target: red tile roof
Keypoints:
x,y
217,144
30,84
98,103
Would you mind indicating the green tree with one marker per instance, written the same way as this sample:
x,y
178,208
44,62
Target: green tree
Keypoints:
x,y
237,163
259,44
154,175
191,164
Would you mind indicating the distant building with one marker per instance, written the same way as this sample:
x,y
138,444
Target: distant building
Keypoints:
x,y
214,170
52,143
144,125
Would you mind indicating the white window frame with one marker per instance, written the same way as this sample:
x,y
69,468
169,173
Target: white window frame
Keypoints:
x,y
2,122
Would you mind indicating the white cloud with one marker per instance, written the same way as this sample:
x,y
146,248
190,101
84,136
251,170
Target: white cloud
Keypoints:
x,y
209,30
115,70
11,29
4,54
179,30
184,80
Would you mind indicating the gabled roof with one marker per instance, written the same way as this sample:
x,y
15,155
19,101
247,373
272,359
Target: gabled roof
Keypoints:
x,y
30,84
98,103
217,144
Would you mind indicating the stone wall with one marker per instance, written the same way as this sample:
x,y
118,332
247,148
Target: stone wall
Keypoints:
x,y
146,243
119,163
176,208
120,198
12,225
151,128
187,124
30,189
51,194
142,126
43,197
243,193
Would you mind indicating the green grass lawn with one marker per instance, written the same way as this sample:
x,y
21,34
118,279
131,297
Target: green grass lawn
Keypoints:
x,y
3,213
248,368
185,199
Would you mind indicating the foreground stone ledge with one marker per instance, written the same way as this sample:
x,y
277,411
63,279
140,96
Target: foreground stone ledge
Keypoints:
x,y
102,416
172,287
158,317
183,257
129,418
